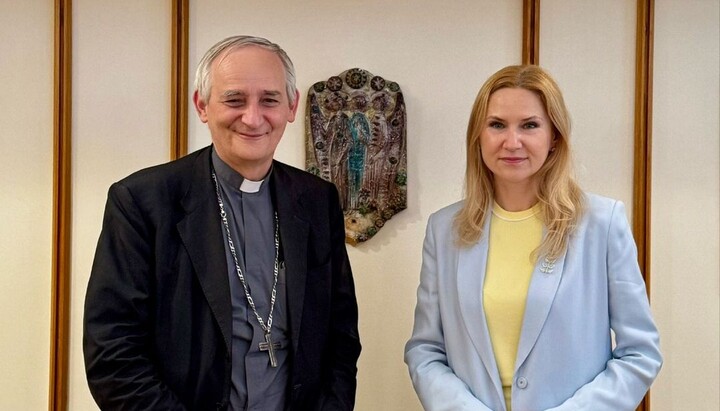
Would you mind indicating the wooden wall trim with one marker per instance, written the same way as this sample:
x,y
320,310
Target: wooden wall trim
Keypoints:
x,y
531,32
643,132
60,293
179,80
644,40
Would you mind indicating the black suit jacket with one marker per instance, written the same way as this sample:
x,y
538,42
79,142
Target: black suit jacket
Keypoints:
x,y
157,324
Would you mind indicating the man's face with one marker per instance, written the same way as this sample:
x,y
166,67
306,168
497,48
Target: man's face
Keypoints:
x,y
248,108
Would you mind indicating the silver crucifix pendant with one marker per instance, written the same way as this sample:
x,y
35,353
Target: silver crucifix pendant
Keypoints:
x,y
270,347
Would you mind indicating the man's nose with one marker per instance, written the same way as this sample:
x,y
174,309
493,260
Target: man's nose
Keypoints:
x,y
252,116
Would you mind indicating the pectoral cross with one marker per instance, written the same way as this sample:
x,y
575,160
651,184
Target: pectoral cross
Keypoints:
x,y
270,347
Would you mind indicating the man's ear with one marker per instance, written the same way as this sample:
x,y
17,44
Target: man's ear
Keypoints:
x,y
294,107
200,107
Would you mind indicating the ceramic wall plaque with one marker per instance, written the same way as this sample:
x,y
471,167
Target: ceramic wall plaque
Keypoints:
x,y
356,138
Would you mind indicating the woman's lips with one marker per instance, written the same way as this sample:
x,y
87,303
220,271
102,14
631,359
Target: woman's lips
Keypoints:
x,y
513,160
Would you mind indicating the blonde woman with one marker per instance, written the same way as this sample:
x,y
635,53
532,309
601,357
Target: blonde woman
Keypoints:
x,y
524,280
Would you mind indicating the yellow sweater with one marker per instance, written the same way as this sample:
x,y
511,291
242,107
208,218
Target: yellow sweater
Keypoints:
x,y
513,237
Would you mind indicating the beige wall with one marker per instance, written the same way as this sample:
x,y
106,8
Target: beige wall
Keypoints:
x,y
589,47
685,203
439,53
121,123
26,181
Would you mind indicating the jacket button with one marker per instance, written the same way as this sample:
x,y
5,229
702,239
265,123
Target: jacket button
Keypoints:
x,y
522,382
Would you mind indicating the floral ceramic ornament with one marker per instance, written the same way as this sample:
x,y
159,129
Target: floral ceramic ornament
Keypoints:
x,y
356,138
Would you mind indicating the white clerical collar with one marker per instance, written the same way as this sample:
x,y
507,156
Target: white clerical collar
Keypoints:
x,y
233,179
249,186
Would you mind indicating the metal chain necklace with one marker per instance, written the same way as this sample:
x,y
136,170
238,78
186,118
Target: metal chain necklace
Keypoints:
x,y
268,344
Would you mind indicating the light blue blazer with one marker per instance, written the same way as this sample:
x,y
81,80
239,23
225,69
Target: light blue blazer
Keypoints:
x,y
566,358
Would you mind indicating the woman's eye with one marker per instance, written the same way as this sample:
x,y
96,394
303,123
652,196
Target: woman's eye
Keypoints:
x,y
496,124
531,125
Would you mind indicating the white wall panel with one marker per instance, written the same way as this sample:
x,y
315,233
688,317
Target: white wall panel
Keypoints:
x,y
589,47
440,53
121,123
26,180
685,203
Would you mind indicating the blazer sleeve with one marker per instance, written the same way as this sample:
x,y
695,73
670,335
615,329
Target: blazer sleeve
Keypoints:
x,y
117,323
636,358
436,384
341,381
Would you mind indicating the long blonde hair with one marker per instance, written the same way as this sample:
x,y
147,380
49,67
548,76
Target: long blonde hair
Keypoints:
x,y
560,197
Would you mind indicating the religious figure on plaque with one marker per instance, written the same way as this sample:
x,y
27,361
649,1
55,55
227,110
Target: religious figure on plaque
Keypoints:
x,y
355,138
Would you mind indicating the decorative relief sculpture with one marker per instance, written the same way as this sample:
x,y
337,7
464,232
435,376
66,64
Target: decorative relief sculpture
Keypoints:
x,y
355,138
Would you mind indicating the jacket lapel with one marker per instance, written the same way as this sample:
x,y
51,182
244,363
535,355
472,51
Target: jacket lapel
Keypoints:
x,y
471,276
471,266
203,240
294,233
541,294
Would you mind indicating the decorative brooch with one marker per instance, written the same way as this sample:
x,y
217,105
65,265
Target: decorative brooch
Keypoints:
x,y
547,266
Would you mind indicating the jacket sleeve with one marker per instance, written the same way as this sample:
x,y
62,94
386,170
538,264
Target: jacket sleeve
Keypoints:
x,y
436,384
636,358
340,386
117,319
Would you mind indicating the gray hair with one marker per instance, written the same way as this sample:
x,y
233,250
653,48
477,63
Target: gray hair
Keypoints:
x,y
203,80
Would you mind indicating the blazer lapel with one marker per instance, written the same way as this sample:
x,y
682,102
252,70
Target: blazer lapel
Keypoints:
x,y
471,266
294,231
203,240
541,294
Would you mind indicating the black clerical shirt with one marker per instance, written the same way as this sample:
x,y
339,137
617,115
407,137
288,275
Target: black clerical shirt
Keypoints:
x,y
255,384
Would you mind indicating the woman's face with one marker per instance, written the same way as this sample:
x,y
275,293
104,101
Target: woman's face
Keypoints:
x,y
516,138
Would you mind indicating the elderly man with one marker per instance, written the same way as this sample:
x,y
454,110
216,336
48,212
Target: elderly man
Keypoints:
x,y
221,280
